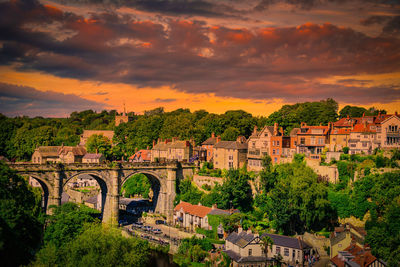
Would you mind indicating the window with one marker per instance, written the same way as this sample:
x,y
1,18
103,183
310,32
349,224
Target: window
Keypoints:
x,y
320,141
266,134
273,151
293,253
278,250
277,151
230,164
277,143
250,251
302,141
275,160
254,144
273,143
312,140
286,252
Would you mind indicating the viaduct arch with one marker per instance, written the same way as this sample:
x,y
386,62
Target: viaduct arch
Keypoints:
x,y
53,178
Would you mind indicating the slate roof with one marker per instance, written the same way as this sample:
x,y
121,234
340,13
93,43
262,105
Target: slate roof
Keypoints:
x,y
242,239
48,151
294,131
174,144
222,212
286,241
210,141
230,145
76,150
237,258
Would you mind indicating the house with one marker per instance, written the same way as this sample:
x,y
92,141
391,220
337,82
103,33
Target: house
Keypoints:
x,y
71,154
246,249
339,138
199,153
356,256
230,154
191,216
180,150
311,140
390,130
363,138
93,158
258,147
88,133
342,237
208,145
44,154
143,155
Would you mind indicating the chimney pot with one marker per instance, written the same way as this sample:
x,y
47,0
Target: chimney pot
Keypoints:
x,y
212,134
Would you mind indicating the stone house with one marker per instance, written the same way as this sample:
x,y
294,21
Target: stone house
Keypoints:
x,y
88,133
230,154
172,150
190,216
311,140
71,154
356,256
44,154
390,130
338,139
208,145
258,147
93,158
246,249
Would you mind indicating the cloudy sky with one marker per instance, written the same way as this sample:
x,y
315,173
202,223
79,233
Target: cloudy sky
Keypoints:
x,y
60,56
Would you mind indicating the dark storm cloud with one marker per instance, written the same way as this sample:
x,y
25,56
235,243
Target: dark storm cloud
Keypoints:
x,y
17,100
391,24
193,57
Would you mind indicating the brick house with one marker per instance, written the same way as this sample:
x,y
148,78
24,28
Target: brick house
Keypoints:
x,y
208,145
311,140
363,138
390,131
230,154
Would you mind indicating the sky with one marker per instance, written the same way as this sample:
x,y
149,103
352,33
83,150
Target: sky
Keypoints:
x,y
61,56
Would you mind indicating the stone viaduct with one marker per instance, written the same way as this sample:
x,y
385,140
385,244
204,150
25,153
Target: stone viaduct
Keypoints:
x,y
163,176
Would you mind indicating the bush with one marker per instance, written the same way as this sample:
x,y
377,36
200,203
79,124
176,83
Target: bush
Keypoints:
x,y
346,150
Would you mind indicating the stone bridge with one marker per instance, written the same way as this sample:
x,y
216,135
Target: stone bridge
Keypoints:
x,y
163,176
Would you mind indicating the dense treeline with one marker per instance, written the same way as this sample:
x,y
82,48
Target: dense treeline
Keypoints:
x,y
21,135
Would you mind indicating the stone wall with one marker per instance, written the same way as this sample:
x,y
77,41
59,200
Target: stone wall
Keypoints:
x,y
317,242
201,180
330,172
80,197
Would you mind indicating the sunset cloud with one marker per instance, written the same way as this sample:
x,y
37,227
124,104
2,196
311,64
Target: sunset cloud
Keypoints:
x,y
289,63
22,100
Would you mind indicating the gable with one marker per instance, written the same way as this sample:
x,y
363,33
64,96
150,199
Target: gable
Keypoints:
x,y
393,119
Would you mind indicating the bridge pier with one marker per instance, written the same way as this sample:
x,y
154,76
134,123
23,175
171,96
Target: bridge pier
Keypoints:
x,y
170,193
55,198
111,209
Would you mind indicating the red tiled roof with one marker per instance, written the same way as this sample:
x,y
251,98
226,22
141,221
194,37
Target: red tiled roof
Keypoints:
x,y
343,122
144,153
197,210
335,260
361,128
340,131
362,257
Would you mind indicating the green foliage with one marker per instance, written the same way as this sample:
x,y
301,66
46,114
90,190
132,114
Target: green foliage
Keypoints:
x,y
96,246
20,228
188,192
192,250
313,113
230,134
346,150
138,184
99,144
354,111
207,170
67,222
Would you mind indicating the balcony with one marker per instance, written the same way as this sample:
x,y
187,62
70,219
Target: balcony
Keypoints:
x,y
254,152
391,144
392,133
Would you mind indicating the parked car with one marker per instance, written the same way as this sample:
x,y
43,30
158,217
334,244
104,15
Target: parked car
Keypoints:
x,y
160,222
157,231
148,228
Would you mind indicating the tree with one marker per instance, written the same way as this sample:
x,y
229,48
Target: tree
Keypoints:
x,y
236,191
97,246
138,184
230,134
98,144
20,228
267,243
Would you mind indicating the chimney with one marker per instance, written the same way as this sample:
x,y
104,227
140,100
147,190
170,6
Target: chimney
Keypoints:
x,y
147,148
255,129
240,229
363,114
218,139
281,130
154,143
199,204
395,113
303,124
348,117
214,206
136,149
187,143
275,128
213,135
249,231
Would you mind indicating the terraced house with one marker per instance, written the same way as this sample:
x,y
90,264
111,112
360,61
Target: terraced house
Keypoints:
x,y
246,249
